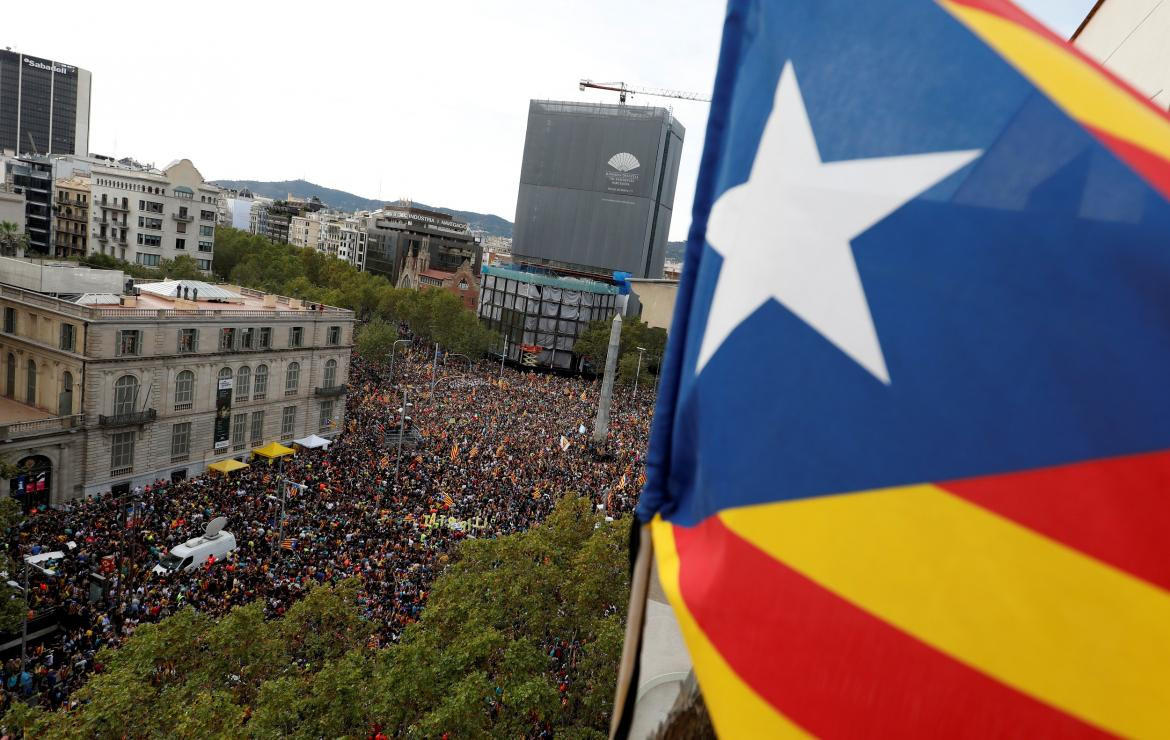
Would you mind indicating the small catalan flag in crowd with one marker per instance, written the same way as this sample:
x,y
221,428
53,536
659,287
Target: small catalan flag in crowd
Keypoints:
x,y
288,544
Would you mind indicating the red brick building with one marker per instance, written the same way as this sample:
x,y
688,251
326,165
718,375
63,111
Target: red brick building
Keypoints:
x,y
418,274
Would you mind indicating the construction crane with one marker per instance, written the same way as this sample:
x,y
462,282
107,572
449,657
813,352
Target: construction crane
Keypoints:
x,y
622,89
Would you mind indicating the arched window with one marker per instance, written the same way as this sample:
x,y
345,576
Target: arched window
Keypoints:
x,y
32,383
125,395
260,383
184,390
292,378
225,373
330,373
65,402
243,383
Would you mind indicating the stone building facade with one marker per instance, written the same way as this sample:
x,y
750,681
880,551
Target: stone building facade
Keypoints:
x,y
145,375
143,215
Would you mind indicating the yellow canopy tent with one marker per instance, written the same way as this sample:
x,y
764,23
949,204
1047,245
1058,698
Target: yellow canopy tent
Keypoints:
x,y
226,466
273,450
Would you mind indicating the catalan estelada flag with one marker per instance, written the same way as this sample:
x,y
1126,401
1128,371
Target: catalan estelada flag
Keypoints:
x,y
909,473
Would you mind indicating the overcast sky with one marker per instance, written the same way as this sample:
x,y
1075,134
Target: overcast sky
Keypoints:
x,y
387,99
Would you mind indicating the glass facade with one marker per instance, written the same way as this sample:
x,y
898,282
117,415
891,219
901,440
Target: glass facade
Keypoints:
x,y
543,311
9,94
42,105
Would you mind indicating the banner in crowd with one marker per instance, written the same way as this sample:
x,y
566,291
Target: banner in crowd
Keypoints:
x,y
223,413
477,522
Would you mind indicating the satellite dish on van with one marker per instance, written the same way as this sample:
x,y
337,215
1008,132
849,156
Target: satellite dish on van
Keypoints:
x,y
214,527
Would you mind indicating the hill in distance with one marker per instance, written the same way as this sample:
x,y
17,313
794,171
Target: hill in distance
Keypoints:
x,y
676,251
490,224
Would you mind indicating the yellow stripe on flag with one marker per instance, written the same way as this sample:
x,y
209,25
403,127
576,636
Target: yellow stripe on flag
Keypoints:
x,y
1018,606
736,709
1072,83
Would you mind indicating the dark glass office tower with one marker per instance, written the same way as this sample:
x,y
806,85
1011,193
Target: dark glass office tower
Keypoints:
x,y
597,188
44,105
33,177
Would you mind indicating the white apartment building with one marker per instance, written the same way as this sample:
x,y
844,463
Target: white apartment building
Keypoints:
x,y
305,231
235,209
336,234
351,245
145,215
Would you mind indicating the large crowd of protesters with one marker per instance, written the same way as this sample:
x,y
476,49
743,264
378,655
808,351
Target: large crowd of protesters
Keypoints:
x,y
494,455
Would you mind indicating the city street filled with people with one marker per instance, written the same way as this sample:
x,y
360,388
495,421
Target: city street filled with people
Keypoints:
x,y
496,450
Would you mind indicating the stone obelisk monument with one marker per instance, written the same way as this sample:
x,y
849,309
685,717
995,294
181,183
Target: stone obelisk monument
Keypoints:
x,y
601,424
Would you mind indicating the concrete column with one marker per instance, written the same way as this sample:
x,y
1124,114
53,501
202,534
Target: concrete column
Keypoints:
x,y
601,424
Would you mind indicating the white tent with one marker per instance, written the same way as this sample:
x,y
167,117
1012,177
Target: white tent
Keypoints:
x,y
313,442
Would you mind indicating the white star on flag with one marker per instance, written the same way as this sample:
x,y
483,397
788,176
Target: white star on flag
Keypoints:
x,y
785,234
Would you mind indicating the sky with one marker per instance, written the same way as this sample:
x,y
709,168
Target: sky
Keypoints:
x,y
389,99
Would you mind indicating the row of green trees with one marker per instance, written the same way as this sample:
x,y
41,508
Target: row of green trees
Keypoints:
x,y
594,344
180,268
432,315
476,665
255,262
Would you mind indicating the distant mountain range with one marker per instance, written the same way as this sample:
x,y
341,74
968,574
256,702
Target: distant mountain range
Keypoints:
x,y
676,251
341,200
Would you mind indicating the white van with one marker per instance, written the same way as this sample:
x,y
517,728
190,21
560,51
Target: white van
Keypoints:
x,y
215,542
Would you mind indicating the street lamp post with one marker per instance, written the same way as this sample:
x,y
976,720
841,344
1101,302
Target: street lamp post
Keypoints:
x,y
393,352
504,354
401,433
638,372
435,368
24,622
469,363
284,486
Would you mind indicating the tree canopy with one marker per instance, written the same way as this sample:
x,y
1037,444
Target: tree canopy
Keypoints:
x,y
431,315
594,344
508,625
11,600
252,261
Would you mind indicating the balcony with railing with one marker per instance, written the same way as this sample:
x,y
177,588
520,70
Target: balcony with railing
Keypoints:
x,y
329,391
181,217
38,427
131,418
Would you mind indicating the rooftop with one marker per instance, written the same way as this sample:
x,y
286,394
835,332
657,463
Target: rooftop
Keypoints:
x,y
569,283
173,288
146,305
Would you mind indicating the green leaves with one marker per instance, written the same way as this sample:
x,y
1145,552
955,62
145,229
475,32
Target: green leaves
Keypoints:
x,y
433,315
478,663
594,344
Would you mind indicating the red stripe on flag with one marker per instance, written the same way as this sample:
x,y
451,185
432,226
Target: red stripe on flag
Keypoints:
x,y
1151,166
1116,510
834,669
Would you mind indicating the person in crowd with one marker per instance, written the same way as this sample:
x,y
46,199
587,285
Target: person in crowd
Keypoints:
x,y
491,461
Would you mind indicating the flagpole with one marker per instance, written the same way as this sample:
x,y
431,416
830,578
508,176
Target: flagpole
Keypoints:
x,y
627,683
401,431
